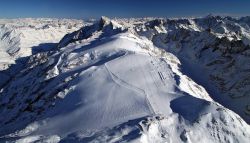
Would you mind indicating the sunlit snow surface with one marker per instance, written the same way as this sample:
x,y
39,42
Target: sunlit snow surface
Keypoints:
x,y
115,88
19,36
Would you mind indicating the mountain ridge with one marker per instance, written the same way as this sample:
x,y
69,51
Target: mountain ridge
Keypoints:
x,y
133,80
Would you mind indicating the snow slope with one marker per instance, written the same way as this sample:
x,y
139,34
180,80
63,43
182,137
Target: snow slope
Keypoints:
x,y
216,48
108,83
18,36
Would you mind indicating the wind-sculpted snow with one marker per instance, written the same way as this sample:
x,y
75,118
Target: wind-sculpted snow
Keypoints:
x,y
125,80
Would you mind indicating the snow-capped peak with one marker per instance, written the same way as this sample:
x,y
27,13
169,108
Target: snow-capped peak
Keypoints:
x,y
104,26
134,80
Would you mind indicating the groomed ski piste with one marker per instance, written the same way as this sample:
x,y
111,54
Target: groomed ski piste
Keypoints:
x,y
112,86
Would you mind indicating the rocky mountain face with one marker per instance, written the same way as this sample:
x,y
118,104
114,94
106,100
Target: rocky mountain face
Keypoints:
x,y
133,80
214,52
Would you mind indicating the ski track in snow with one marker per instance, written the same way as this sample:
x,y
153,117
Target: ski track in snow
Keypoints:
x,y
147,76
131,87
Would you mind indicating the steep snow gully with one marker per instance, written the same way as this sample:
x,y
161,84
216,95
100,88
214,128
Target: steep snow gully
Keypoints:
x,y
124,80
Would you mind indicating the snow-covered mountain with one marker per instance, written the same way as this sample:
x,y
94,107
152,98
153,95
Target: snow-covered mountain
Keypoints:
x,y
18,36
134,80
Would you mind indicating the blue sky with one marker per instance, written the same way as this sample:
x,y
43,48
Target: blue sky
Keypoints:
x,y
121,8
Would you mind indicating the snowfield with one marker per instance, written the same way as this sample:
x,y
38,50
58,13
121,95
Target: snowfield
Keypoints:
x,y
123,80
